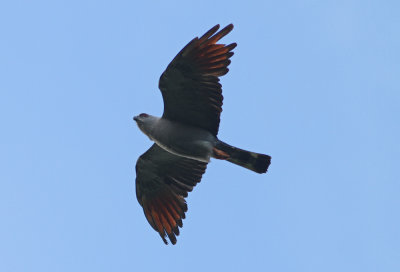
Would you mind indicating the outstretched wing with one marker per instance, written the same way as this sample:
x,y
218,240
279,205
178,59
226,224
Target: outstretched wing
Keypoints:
x,y
163,180
190,85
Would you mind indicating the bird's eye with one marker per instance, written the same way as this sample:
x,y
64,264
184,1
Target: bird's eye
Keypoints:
x,y
144,115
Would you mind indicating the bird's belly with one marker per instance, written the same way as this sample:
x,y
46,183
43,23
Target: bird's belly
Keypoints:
x,y
200,151
188,142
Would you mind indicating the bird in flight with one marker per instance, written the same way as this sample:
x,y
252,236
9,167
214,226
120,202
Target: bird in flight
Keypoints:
x,y
185,136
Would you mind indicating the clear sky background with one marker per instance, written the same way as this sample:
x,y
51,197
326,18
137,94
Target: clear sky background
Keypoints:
x,y
315,84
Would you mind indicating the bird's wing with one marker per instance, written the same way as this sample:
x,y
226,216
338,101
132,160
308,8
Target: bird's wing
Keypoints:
x,y
163,180
190,85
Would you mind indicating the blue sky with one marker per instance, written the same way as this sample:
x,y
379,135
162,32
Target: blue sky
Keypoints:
x,y
315,84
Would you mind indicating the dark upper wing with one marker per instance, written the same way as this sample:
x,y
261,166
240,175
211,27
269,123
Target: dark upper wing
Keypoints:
x,y
190,85
163,180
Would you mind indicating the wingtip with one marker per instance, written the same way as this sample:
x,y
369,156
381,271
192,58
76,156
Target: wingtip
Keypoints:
x,y
232,46
209,33
230,27
223,32
164,240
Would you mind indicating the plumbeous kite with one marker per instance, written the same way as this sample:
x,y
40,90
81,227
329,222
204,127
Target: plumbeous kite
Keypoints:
x,y
185,137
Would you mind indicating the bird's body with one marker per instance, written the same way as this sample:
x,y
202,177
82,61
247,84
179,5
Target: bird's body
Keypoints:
x,y
185,137
179,139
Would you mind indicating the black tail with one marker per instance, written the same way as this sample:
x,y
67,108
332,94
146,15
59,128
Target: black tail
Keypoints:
x,y
254,161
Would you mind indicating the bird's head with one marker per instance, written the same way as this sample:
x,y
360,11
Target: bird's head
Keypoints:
x,y
141,118
145,122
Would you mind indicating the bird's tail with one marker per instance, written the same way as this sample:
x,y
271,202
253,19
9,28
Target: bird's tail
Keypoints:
x,y
254,161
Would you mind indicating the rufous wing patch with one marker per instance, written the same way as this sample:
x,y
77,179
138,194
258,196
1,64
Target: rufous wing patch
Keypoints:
x,y
165,211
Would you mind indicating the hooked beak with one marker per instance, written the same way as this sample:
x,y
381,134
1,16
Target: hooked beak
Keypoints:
x,y
135,118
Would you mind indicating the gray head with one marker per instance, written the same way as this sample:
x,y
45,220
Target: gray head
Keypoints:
x,y
145,122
